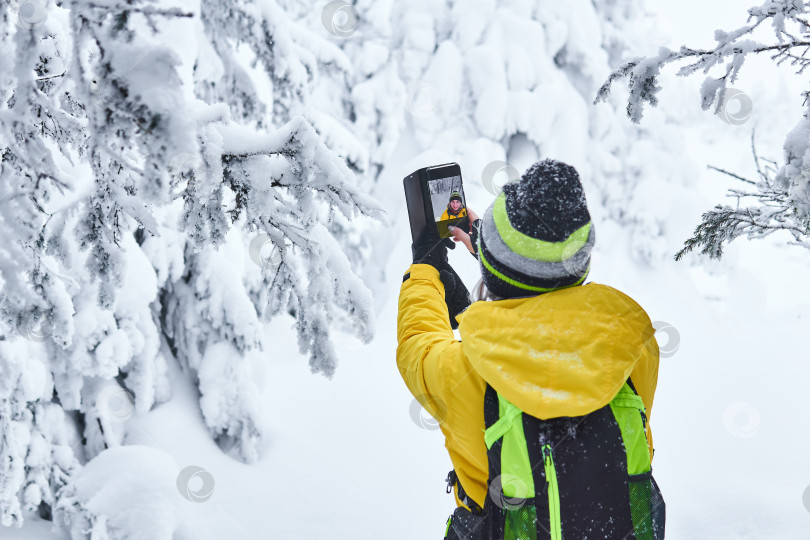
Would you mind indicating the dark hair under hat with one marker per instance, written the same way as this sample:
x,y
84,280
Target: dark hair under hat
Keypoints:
x,y
537,235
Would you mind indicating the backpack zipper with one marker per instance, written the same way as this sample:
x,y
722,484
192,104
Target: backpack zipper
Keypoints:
x,y
553,494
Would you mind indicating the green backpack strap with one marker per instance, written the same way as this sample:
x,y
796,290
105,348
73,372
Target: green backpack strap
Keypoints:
x,y
630,414
629,411
517,478
516,469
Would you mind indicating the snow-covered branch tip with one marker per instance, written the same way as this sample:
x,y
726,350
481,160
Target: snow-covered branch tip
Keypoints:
x,y
778,208
792,45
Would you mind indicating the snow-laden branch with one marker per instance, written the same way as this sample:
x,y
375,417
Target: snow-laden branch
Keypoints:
x,y
323,171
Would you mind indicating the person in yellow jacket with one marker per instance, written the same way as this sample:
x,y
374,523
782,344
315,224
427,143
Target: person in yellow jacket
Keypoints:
x,y
545,401
455,207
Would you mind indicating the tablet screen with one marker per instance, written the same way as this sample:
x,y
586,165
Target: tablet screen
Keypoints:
x,y
449,206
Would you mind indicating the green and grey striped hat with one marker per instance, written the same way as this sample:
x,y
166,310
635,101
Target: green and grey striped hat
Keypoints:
x,y
537,236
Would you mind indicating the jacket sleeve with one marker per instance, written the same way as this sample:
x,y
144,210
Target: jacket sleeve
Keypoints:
x,y
425,341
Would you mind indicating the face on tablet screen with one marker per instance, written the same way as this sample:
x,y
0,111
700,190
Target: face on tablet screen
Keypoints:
x,y
447,200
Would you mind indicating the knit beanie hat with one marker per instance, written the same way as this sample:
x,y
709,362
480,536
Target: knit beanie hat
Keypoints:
x,y
455,196
537,235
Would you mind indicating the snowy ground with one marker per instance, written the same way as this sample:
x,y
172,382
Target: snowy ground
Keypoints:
x,y
346,459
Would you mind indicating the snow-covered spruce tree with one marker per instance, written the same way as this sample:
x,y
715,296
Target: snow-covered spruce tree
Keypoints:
x,y
149,156
780,196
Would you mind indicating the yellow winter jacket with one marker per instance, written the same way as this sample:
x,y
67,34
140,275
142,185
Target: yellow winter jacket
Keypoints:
x,y
446,214
564,353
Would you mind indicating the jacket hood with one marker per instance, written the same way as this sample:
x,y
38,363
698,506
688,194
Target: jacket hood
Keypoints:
x,y
563,353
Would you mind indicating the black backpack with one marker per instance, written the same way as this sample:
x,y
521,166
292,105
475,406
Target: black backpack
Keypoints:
x,y
564,478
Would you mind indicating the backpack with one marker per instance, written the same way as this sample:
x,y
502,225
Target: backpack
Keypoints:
x,y
568,477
